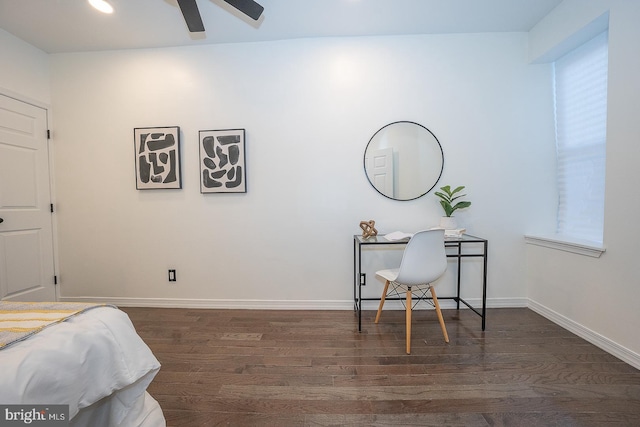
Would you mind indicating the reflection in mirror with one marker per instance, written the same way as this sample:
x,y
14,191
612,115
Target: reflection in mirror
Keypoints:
x,y
403,160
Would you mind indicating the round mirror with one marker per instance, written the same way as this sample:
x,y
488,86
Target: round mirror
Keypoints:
x,y
403,161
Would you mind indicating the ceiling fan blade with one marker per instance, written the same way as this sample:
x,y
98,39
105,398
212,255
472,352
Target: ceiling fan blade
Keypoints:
x,y
191,15
249,7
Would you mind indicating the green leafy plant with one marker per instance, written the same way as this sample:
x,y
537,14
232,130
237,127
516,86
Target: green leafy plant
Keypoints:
x,y
448,197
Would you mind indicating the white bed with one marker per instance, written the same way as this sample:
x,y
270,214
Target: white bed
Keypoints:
x,y
95,362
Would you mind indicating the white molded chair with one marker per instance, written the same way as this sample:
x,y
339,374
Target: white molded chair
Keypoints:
x,y
424,261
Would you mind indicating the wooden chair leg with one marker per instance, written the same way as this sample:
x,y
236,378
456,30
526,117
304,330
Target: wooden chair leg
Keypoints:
x,y
384,295
409,321
439,313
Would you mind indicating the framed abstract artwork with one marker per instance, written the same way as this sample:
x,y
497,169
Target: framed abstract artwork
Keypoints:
x,y
157,157
222,161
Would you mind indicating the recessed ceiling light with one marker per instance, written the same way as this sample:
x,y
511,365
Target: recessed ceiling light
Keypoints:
x,y
101,5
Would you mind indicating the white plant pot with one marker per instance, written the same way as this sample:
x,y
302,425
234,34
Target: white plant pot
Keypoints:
x,y
448,223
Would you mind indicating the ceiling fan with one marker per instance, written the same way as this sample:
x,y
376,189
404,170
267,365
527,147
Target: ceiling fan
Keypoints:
x,y
192,17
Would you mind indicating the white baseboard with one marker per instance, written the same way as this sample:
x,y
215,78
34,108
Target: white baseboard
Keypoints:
x,y
243,304
451,304
594,338
246,304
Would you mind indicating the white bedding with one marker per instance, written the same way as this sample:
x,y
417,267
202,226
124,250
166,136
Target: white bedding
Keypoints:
x,y
95,362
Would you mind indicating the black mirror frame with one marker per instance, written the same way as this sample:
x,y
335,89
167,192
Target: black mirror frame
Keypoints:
x,y
364,161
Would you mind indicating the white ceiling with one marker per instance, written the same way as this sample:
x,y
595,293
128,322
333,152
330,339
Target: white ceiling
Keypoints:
x,y
73,26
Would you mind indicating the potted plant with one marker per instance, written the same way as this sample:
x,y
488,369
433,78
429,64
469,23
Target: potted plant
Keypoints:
x,y
447,199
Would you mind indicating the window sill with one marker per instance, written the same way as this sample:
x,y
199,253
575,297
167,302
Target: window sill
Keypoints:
x,y
567,244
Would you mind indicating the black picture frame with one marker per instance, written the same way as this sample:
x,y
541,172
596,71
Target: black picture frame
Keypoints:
x,y
222,161
157,157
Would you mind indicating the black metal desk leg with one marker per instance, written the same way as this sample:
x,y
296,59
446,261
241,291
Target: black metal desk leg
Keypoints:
x,y
360,279
363,282
459,274
355,278
484,284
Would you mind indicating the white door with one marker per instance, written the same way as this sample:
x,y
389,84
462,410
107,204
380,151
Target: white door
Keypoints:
x,y
379,168
26,233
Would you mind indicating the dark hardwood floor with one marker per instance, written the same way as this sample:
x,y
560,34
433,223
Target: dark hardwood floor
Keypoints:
x,y
313,368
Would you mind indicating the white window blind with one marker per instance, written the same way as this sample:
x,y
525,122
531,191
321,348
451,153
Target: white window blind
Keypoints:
x,y
581,118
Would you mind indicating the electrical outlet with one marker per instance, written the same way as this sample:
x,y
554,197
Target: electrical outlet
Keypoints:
x,y
172,275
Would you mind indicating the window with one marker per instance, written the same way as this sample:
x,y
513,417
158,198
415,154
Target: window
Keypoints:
x,y
580,79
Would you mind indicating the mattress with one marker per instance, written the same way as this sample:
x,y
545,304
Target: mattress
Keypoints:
x,y
95,362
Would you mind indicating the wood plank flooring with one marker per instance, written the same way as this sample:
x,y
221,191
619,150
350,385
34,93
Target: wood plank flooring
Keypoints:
x,y
313,368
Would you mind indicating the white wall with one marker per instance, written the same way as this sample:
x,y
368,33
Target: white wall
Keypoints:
x,y
309,108
24,71
598,297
